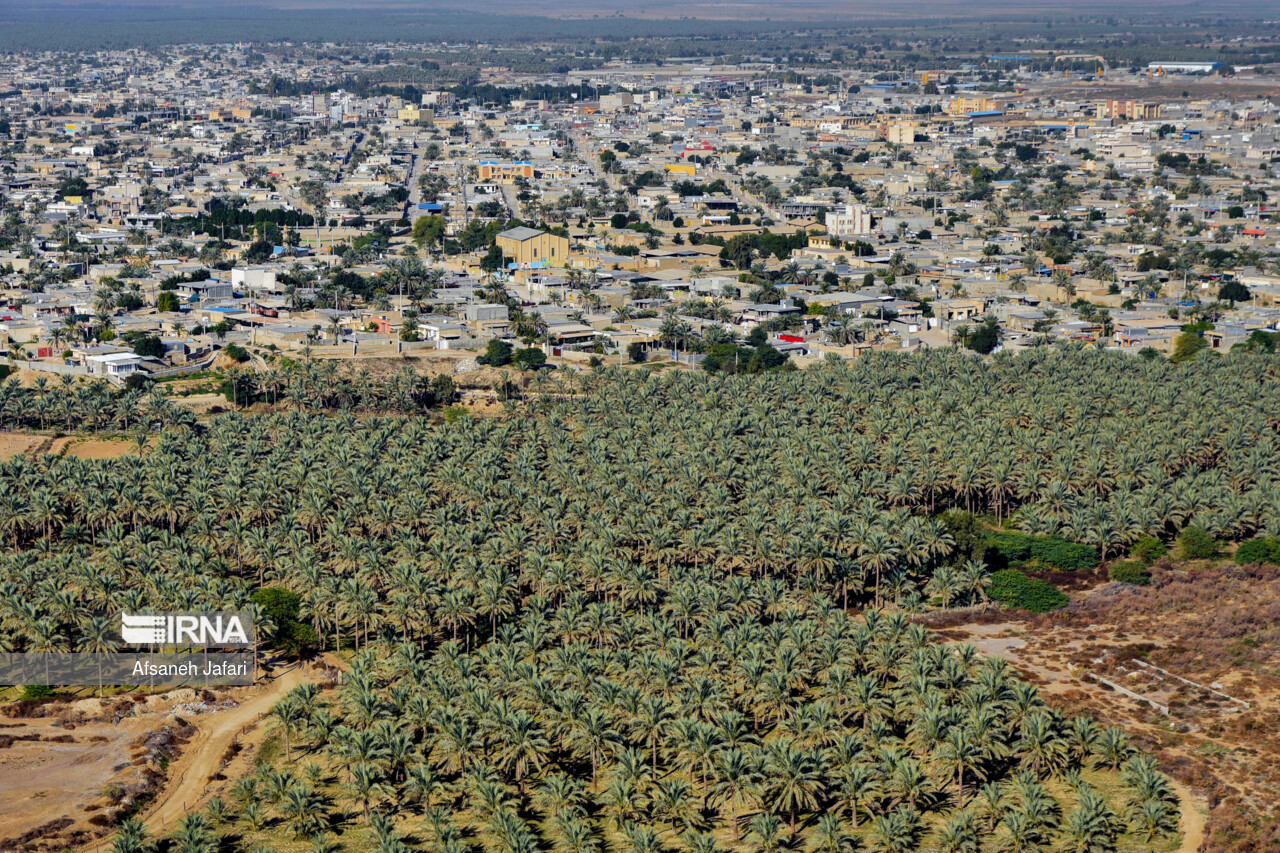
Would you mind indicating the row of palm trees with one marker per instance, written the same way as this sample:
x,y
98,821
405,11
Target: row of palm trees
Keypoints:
x,y
90,406
640,545
833,477
751,726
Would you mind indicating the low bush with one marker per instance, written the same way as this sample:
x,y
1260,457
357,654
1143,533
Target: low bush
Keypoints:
x,y
1259,550
1195,543
1147,550
1015,589
1061,554
1130,571
1010,548
35,693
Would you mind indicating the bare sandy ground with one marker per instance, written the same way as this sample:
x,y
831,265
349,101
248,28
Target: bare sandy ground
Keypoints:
x,y
15,443
63,775
34,444
43,781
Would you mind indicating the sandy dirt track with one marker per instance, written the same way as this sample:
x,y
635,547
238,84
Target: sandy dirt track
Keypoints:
x,y
201,758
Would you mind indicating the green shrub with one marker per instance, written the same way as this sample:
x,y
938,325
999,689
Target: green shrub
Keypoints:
x,y
1195,543
1259,550
36,692
1011,548
1015,589
529,359
1129,571
282,607
1064,555
1147,550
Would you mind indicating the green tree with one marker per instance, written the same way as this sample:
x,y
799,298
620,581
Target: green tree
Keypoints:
x,y
168,302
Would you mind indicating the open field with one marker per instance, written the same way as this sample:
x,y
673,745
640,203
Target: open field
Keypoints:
x,y
34,444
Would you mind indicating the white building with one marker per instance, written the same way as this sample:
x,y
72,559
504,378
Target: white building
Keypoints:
x,y
854,221
117,364
259,279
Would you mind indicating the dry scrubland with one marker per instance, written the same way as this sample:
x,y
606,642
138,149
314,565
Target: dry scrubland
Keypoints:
x,y
1216,625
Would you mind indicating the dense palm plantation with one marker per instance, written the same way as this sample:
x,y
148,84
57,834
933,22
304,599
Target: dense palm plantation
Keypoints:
x,y
619,615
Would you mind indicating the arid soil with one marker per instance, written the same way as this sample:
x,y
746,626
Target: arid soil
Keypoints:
x,y
1218,627
70,770
14,443
34,444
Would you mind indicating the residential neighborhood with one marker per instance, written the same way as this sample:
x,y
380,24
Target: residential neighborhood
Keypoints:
x,y
636,211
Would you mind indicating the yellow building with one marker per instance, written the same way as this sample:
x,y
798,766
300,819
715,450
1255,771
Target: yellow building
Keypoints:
x,y
530,248
504,173
690,169
1132,110
964,106
901,133
416,114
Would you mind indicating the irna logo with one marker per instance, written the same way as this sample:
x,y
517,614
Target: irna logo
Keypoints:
x,y
186,629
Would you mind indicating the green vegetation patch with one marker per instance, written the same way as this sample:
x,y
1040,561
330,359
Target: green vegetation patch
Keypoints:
x,y
1014,588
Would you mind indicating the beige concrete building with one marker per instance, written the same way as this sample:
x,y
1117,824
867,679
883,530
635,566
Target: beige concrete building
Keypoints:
x,y
530,248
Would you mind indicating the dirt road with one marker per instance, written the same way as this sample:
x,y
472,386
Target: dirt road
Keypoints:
x,y
1191,821
202,757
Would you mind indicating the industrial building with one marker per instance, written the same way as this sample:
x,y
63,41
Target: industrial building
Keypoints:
x,y
1185,67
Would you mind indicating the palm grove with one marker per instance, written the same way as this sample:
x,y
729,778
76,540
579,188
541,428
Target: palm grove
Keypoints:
x,y
645,613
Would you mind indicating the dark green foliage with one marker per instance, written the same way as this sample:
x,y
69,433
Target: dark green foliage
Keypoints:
x,y
1234,291
167,301
1009,547
148,346
278,604
983,337
1195,543
1147,550
529,359
1187,346
1259,550
443,390
1015,589
288,635
237,352
1260,341
731,358
35,692
636,352
496,354
493,259
1062,554
1129,571
258,252
966,532
73,187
